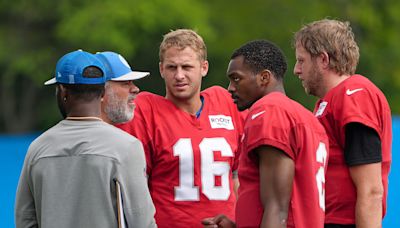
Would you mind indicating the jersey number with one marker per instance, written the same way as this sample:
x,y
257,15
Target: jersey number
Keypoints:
x,y
320,176
186,191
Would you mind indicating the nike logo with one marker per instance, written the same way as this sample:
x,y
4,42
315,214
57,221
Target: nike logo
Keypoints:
x,y
257,114
350,92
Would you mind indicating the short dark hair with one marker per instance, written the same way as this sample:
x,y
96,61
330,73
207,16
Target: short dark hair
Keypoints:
x,y
87,92
263,55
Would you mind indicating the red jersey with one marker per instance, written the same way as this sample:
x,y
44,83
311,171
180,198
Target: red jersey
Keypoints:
x,y
278,121
354,100
189,160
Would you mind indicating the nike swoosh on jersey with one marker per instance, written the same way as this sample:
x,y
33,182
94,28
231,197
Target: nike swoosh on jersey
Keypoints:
x,y
257,114
350,92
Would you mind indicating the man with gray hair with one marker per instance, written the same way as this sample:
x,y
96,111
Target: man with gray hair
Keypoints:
x,y
120,91
83,172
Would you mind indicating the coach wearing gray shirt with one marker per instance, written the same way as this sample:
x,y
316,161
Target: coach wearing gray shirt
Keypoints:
x,y
83,172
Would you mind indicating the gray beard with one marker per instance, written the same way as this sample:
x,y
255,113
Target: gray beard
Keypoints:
x,y
118,111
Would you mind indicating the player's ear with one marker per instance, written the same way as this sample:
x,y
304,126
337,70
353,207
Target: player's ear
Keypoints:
x,y
62,90
204,68
265,77
161,69
324,59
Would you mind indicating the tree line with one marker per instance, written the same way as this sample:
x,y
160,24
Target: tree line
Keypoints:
x,y
35,34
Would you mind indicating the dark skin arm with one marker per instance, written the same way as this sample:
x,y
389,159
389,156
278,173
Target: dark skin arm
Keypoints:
x,y
276,181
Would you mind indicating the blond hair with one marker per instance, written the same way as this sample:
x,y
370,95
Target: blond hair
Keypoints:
x,y
333,37
181,39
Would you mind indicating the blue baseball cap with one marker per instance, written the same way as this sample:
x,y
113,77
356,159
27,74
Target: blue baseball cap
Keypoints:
x,y
117,68
70,69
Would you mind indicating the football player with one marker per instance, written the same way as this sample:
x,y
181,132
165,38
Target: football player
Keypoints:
x,y
357,119
190,137
284,148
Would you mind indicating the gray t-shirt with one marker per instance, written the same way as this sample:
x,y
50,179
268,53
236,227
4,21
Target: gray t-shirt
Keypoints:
x,y
69,174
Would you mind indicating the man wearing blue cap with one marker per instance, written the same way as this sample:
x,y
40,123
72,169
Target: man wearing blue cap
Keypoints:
x,y
82,172
120,90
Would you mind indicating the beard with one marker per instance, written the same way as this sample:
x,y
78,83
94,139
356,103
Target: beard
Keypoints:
x,y
314,82
118,110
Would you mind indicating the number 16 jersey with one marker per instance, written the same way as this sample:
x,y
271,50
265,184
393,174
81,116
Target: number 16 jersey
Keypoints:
x,y
189,160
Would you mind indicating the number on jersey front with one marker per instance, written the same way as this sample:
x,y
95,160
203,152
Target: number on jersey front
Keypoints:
x,y
210,168
320,176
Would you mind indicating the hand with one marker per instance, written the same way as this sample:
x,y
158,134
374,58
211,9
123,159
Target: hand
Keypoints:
x,y
218,221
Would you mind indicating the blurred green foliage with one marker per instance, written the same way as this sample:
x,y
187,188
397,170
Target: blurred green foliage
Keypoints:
x,y
35,34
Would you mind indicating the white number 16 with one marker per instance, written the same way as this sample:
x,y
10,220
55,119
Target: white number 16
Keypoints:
x,y
187,191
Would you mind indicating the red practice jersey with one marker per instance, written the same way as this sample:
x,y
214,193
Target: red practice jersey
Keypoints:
x,y
354,100
278,121
189,160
